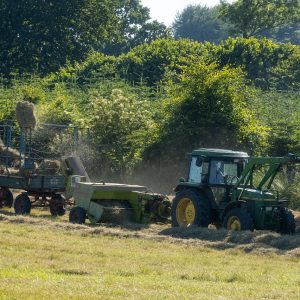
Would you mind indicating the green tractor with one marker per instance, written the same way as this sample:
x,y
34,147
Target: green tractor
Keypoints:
x,y
223,188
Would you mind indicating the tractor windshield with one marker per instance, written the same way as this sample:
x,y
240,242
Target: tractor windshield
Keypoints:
x,y
225,172
198,170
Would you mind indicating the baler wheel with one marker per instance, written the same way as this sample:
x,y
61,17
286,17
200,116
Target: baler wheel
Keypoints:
x,y
190,208
288,223
57,205
77,215
22,204
238,219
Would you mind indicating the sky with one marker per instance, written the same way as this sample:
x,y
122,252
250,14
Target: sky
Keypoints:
x,y
166,10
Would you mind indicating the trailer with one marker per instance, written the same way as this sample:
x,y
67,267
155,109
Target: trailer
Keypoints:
x,y
41,187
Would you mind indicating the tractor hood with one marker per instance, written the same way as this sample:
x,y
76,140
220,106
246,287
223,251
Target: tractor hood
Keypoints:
x,y
257,195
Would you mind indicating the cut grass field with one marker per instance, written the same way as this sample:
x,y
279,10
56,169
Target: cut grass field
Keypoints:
x,y
44,259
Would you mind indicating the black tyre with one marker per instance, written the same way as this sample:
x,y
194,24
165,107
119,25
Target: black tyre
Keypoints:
x,y
190,208
22,204
57,205
238,219
77,215
9,199
287,223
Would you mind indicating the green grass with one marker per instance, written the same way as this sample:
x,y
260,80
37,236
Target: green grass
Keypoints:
x,y
37,262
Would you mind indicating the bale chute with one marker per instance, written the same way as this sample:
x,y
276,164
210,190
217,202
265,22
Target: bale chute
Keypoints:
x,y
73,166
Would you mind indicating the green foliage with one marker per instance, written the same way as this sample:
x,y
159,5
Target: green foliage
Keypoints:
x,y
250,18
266,63
42,36
208,107
284,34
146,64
280,111
200,23
288,185
150,62
114,123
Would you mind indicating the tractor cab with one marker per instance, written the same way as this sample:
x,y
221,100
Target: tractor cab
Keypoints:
x,y
215,167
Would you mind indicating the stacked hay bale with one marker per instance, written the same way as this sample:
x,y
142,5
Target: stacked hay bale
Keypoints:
x,y
25,115
48,167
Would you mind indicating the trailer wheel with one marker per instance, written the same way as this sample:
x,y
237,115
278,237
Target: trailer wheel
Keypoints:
x,y
238,219
9,199
190,208
288,223
22,204
77,215
57,205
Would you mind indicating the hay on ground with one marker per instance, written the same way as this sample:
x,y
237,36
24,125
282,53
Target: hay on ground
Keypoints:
x,y
25,115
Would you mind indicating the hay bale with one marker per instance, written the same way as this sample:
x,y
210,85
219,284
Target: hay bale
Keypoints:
x,y
25,115
48,167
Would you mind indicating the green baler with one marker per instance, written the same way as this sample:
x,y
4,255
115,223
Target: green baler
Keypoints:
x,y
113,202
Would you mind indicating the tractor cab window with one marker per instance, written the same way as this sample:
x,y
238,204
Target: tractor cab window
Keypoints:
x,y
223,172
198,170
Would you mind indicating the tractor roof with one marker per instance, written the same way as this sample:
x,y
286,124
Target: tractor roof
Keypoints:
x,y
219,153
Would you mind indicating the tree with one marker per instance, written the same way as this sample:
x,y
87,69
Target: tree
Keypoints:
x,y
200,23
252,17
284,34
41,36
267,64
208,107
136,35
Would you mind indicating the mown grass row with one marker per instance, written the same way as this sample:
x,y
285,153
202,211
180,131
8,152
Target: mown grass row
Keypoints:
x,y
43,263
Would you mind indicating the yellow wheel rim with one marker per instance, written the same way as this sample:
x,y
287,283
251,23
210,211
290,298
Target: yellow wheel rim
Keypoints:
x,y
185,212
234,223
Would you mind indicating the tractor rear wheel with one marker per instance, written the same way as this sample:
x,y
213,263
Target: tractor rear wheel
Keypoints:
x,y
77,215
288,223
190,208
238,219
22,204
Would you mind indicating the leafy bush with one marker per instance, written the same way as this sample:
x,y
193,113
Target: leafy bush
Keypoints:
x,y
263,60
209,107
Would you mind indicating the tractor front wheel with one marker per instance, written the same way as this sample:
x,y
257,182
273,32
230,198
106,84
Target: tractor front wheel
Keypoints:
x,y
77,215
288,223
238,219
190,208
22,204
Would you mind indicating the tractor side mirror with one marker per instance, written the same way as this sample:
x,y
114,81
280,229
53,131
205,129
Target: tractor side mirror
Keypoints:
x,y
199,161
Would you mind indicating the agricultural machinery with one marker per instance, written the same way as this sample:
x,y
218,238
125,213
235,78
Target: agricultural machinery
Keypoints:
x,y
232,190
42,181
115,203
48,182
